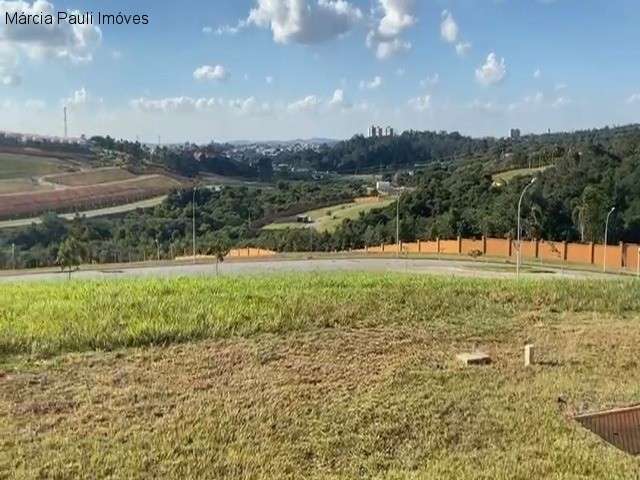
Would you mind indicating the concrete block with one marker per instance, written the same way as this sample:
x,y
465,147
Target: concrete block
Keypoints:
x,y
529,355
474,358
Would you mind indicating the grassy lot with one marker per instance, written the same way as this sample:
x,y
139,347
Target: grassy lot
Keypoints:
x,y
17,185
17,166
503,178
305,376
92,177
329,218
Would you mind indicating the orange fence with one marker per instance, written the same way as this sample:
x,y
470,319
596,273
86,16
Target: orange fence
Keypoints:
x,y
250,253
235,253
624,256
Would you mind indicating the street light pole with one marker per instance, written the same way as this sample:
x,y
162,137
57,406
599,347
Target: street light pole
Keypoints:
x,y
193,205
519,253
398,225
606,239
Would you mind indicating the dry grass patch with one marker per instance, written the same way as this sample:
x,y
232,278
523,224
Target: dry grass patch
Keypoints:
x,y
375,393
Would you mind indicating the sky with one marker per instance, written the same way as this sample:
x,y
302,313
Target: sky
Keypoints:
x,y
285,69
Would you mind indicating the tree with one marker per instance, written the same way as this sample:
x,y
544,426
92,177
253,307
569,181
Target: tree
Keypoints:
x,y
70,255
219,248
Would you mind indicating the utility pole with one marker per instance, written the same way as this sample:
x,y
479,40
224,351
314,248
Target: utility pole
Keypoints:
x,y
158,249
398,225
66,126
606,239
194,223
519,253
13,255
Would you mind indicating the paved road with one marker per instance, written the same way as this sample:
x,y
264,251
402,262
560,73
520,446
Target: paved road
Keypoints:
x,y
420,266
100,212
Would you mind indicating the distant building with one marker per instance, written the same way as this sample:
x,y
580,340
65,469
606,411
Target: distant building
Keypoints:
x,y
304,219
384,188
378,132
515,134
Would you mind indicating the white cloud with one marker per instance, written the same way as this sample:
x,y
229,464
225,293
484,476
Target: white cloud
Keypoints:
x,y
535,99
462,48
430,81
635,98
303,21
250,106
339,101
208,72
226,29
449,28
308,104
396,16
560,86
420,104
207,30
207,104
172,104
184,104
537,73
10,79
400,72
387,48
492,72
269,79
79,98
561,102
75,43
373,84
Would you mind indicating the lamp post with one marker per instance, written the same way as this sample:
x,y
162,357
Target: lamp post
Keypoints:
x,y
193,204
519,254
606,239
398,225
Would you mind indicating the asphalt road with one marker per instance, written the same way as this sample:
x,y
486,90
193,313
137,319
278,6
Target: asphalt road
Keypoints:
x,y
101,212
418,266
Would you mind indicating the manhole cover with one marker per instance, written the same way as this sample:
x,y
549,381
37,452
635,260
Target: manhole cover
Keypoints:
x,y
620,427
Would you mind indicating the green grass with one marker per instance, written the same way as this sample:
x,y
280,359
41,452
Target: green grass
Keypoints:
x,y
503,178
313,376
20,166
49,318
329,218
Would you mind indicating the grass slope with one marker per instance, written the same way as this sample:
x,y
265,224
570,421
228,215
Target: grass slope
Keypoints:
x,y
302,376
503,178
92,177
18,166
329,218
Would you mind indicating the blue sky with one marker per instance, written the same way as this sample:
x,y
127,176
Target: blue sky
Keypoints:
x,y
283,69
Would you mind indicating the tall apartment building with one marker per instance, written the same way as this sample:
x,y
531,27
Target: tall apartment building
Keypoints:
x,y
379,132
